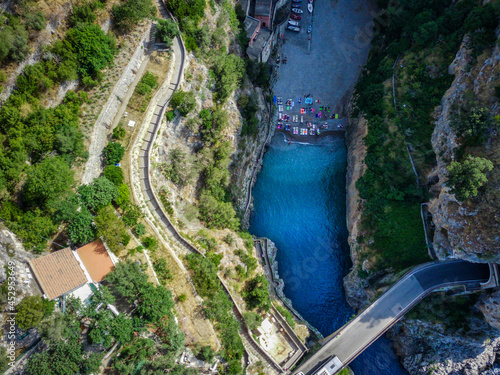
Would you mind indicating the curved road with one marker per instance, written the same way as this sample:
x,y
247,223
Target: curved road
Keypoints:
x,y
349,341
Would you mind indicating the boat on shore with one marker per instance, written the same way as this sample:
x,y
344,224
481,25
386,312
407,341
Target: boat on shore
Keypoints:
x,y
310,7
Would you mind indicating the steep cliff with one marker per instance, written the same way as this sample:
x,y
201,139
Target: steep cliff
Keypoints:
x,y
468,230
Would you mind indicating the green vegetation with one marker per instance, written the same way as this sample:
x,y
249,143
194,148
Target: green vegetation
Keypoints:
x,y
111,229
30,312
466,178
13,38
424,37
247,258
249,107
113,153
252,320
454,312
286,314
166,30
140,230
218,307
129,13
183,101
114,174
179,169
148,83
256,293
101,192
4,361
162,271
128,281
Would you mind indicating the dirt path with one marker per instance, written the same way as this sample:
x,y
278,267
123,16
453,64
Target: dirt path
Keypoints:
x,y
118,100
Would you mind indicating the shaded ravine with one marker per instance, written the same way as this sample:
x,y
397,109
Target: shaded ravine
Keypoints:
x,y
299,203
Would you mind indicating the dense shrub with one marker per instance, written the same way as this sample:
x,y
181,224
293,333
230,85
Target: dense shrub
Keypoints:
x,y
113,153
166,30
466,178
114,174
148,83
256,293
101,192
128,13
183,101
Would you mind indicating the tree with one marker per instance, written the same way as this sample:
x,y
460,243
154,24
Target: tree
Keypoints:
x,y
466,178
155,303
63,358
111,229
113,153
129,13
128,279
256,293
114,174
217,214
93,48
252,319
30,312
47,180
131,214
80,229
52,328
99,193
166,30
123,194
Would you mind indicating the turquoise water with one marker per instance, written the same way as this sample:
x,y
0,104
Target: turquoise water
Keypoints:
x,y
299,203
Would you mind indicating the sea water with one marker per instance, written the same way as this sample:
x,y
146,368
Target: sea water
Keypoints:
x,y
300,204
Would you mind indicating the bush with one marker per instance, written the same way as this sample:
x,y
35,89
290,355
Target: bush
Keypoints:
x,y
129,13
150,243
256,293
140,230
81,229
36,20
182,297
113,153
183,101
30,312
466,178
162,270
114,174
131,214
166,30
98,194
148,83
123,195
111,229
119,132
47,180
252,320
217,214
93,48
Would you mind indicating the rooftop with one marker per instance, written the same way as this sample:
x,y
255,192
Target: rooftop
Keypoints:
x,y
263,8
58,273
260,40
96,260
251,24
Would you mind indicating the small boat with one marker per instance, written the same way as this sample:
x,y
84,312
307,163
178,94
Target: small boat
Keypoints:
x,y
295,5
309,29
298,11
310,8
296,1
293,28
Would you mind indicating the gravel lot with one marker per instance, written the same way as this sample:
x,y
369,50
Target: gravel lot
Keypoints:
x,y
328,65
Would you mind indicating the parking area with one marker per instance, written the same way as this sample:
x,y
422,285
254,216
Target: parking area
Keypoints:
x,y
326,62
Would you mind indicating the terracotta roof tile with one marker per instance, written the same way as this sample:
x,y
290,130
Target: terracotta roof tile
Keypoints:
x,y
96,260
58,273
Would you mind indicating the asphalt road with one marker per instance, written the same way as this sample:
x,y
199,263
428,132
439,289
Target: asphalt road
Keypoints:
x,y
373,322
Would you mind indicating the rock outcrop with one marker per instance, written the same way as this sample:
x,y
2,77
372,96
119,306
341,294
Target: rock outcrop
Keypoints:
x,y
468,230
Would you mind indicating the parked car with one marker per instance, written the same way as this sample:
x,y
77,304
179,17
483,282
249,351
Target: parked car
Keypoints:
x,y
295,17
298,11
293,23
309,29
295,5
293,28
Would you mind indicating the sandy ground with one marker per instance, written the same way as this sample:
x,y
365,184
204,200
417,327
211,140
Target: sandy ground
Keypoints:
x,y
338,49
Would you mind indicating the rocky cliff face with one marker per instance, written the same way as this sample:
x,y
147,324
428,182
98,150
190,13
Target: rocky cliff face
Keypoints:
x,y
468,230
354,286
